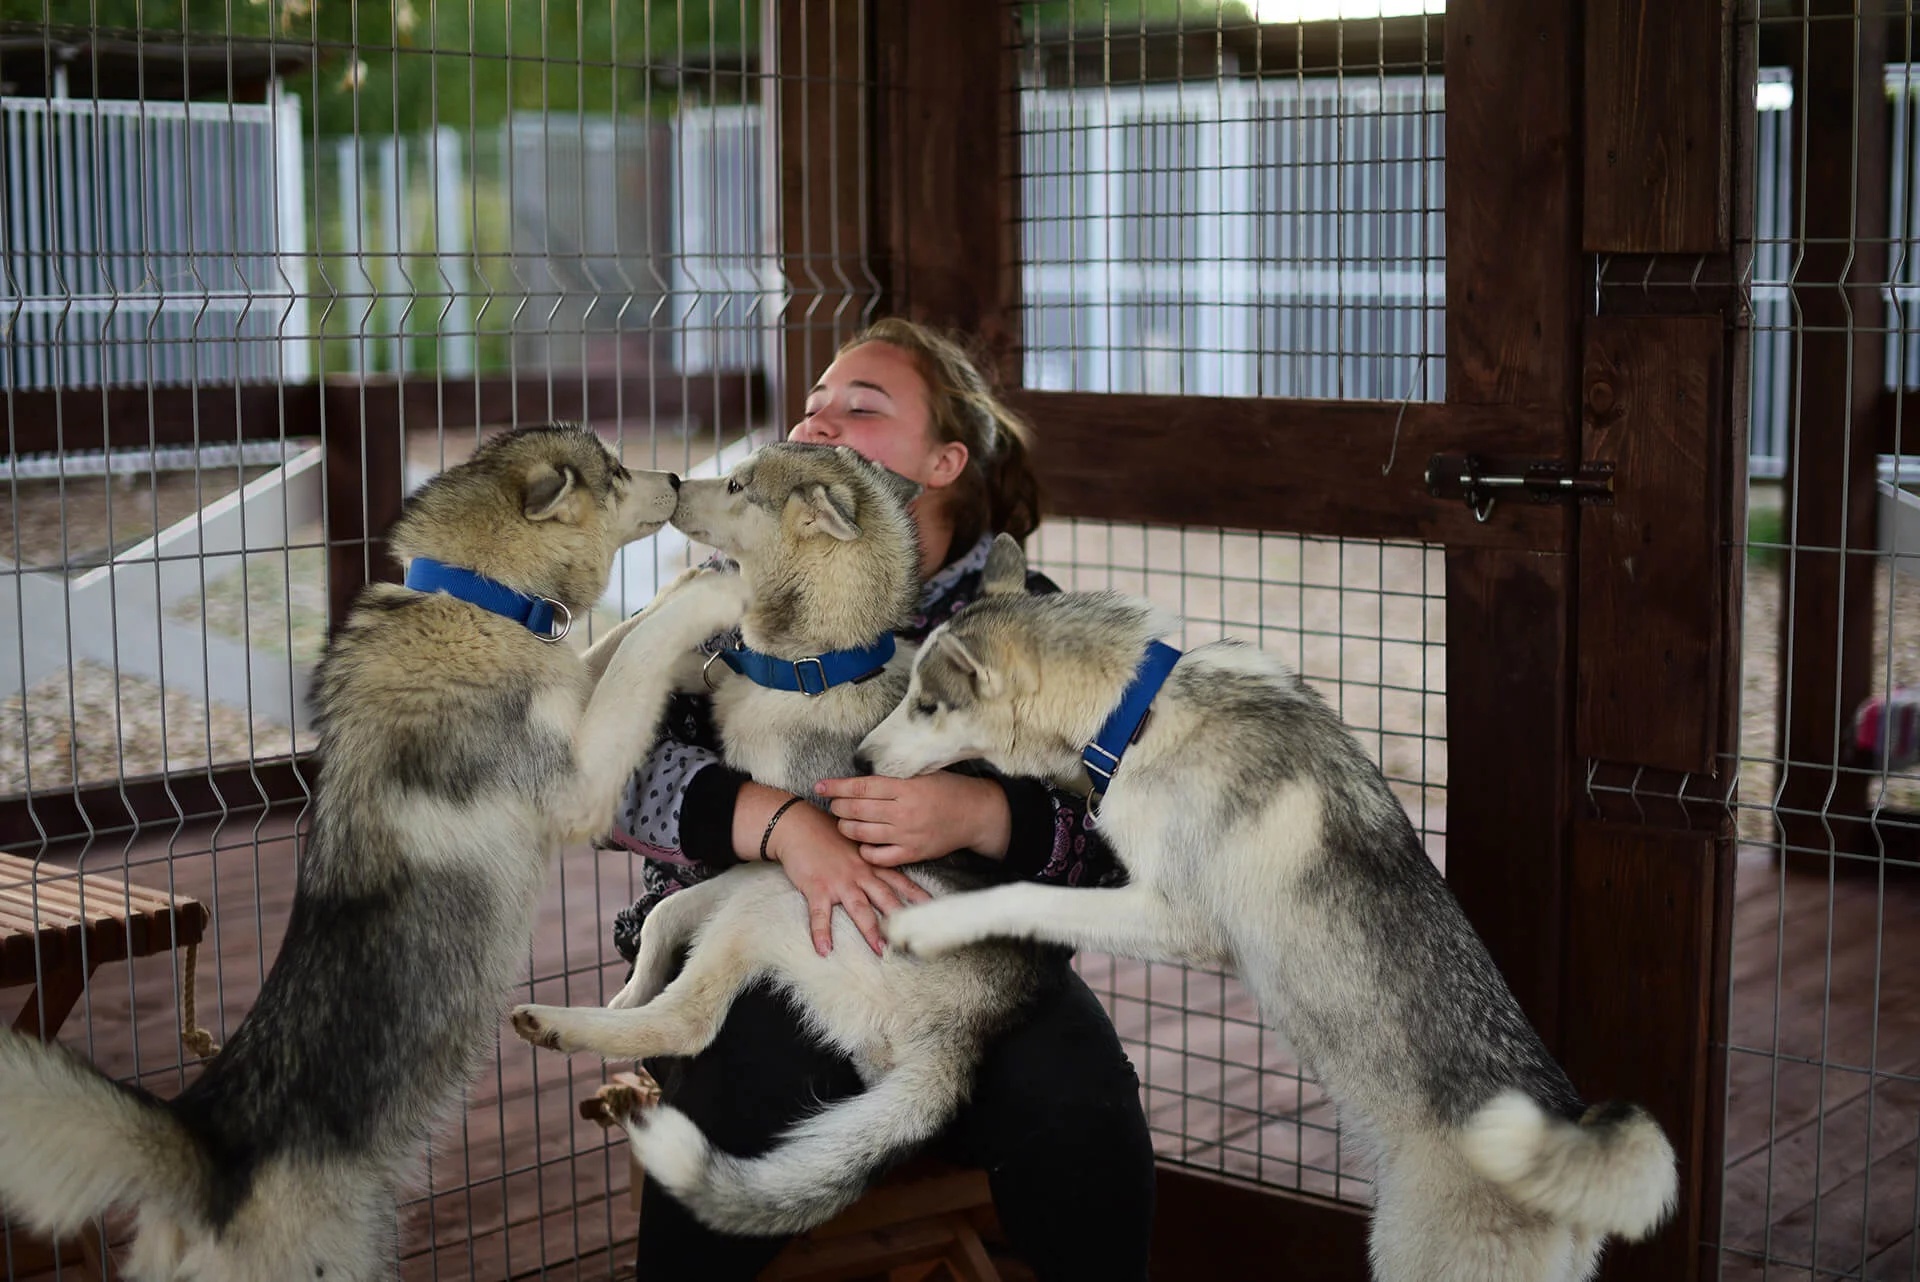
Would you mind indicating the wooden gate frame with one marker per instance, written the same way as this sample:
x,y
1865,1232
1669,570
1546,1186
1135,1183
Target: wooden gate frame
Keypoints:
x,y
1594,152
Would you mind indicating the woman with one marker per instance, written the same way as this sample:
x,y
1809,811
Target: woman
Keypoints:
x,y
1055,1117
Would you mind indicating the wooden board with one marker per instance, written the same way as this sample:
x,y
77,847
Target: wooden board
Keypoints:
x,y
1309,467
946,199
1507,807
1513,287
1651,566
1207,1228
820,51
1657,147
1640,930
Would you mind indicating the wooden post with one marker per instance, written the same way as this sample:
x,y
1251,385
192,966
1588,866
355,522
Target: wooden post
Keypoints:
x,y
821,51
365,465
1840,350
1513,312
1662,403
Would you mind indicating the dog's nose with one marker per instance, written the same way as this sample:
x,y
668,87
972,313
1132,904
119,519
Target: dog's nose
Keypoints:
x,y
673,479
863,763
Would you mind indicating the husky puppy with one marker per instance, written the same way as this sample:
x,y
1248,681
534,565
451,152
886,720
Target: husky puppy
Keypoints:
x,y
824,541
461,749
1257,835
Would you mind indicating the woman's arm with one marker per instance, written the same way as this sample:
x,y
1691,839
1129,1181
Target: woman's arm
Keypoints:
x,y
1039,833
822,864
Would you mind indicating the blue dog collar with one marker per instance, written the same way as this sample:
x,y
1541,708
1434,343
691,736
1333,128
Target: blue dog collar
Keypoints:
x,y
424,574
816,673
1102,755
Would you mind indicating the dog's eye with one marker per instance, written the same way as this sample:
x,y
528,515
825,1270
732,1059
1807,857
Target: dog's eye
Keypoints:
x,y
733,486
926,709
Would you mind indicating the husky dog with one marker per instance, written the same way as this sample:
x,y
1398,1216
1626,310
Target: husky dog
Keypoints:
x,y
1257,835
824,541
460,750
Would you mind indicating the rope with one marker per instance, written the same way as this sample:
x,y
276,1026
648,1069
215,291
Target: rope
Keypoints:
x,y
195,1038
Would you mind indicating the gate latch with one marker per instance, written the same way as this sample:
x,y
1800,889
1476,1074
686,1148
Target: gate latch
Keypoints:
x,y
1480,481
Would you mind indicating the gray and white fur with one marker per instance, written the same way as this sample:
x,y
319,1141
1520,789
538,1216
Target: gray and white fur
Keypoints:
x,y
459,751
824,542
1257,835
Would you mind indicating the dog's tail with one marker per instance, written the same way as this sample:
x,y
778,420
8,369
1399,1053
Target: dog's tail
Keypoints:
x,y
73,1142
1612,1172
816,1170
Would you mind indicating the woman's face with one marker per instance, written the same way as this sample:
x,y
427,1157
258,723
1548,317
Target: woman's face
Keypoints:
x,y
873,400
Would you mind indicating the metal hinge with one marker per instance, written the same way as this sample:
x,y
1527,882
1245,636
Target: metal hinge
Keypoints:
x,y
1481,481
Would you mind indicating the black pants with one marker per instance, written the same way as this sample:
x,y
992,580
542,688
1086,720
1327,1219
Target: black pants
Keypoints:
x,y
1055,1121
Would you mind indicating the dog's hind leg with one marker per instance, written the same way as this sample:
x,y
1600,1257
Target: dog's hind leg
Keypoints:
x,y
665,932
1130,920
682,1020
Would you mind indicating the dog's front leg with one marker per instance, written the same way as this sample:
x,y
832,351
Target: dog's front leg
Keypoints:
x,y
1128,920
601,652
623,713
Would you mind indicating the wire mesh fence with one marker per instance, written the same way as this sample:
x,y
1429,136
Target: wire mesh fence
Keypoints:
x,y
535,207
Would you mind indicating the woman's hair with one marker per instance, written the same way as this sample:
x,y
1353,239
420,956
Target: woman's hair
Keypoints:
x,y
998,492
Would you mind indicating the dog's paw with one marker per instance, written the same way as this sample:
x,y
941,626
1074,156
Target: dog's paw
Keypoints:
x,y
921,930
712,603
541,1025
625,1096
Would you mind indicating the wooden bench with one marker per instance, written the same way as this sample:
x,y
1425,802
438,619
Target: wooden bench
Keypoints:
x,y
58,926
923,1223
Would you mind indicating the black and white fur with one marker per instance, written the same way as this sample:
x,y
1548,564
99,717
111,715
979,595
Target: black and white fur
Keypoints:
x,y
459,751
1257,835
824,541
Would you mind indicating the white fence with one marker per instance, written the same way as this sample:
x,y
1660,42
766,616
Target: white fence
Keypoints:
x,y
1237,238
158,242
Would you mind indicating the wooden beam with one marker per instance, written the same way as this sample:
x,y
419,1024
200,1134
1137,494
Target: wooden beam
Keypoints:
x,y
1657,147
1312,467
946,188
1210,1227
822,104
1514,305
1513,266
133,417
1508,653
1642,988
1651,565
116,809
93,418
1826,633
365,464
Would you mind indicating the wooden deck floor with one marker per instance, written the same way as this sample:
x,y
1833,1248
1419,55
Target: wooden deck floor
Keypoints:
x,y
1823,1111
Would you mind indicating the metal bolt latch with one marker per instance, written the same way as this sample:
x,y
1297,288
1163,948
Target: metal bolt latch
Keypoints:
x,y
1481,482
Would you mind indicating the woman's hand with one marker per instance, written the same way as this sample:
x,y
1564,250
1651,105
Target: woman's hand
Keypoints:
x,y
905,821
827,868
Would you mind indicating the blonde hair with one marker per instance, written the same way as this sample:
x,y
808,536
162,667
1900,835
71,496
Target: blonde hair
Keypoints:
x,y
998,492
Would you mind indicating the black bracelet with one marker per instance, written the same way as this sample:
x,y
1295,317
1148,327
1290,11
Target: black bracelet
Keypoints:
x,y
767,836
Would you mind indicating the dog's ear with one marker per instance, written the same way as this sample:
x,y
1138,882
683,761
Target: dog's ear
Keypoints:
x,y
830,510
544,496
984,680
1006,569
